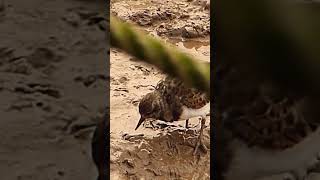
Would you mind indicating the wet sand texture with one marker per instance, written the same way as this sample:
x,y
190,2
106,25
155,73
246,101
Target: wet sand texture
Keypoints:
x,y
53,79
165,152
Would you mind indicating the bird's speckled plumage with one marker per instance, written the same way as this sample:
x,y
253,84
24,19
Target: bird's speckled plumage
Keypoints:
x,y
259,124
169,99
172,101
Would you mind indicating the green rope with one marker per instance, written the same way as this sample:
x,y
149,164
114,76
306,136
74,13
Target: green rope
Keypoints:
x,y
166,58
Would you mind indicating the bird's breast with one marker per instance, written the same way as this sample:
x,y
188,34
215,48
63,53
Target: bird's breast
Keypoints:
x,y
190,113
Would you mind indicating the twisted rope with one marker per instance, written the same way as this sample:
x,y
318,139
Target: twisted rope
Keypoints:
x,y
167,58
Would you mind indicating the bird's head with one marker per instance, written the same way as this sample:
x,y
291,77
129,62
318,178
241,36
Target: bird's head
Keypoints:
x,y
149,107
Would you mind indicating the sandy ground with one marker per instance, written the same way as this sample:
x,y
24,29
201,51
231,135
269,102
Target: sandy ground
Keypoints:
x,y
52,87
164,152
53,80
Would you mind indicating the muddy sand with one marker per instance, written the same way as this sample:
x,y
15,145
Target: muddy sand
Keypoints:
x,y
165,150
52,87
158,150
53,80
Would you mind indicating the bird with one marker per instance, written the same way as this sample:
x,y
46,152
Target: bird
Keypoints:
x,y
266,90
173,101
262,128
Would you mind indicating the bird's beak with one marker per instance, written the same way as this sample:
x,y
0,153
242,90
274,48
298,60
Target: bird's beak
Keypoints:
x,y
140,122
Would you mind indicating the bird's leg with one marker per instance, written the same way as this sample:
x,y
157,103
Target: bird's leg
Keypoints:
x,y
153,126
199,141
187,124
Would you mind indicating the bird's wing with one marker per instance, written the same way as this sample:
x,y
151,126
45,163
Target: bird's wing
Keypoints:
x,y
259,111
176,91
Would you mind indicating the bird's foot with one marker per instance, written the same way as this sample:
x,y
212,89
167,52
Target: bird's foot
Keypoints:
x,y
153,125
298,174
185,131
200,144
302,172
315,165
288,176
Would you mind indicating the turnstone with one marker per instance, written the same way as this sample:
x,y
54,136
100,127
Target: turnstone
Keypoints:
x,y
263,129
172,101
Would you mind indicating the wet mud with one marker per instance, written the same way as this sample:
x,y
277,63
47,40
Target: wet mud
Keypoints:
x,y
156,150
